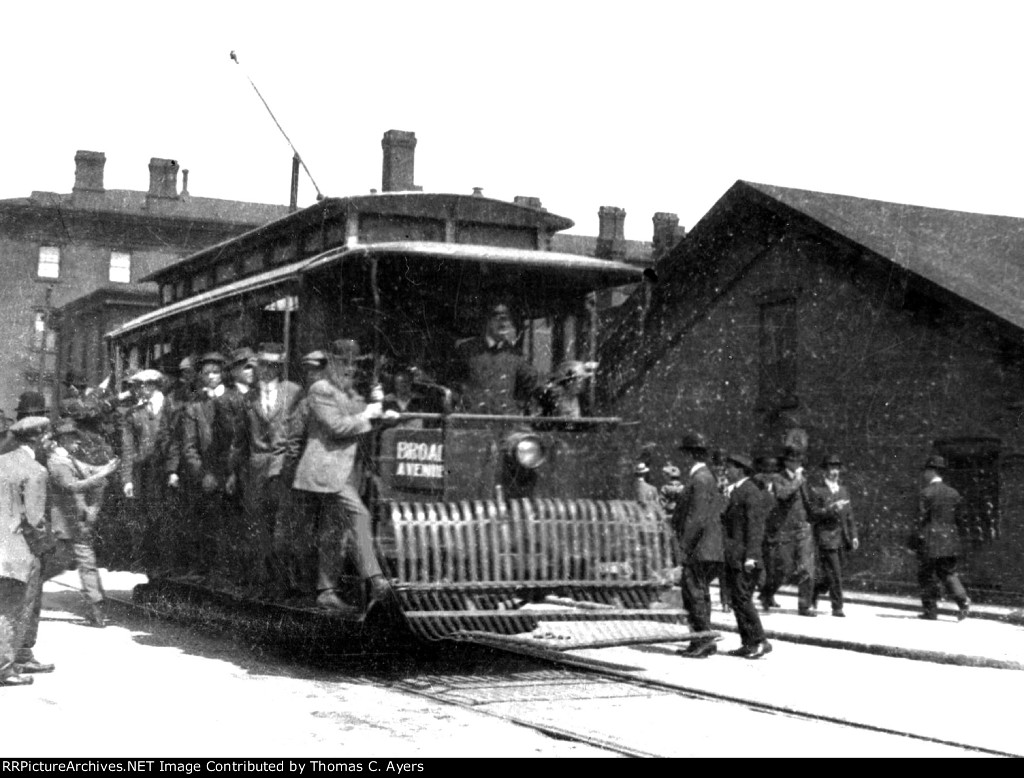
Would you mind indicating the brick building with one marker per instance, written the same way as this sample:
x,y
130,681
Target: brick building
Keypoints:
x,y
885,331
55,248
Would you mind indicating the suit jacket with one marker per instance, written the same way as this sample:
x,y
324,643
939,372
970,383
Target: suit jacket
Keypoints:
x,y
333,427
207,435
834,526
69,496
22,493
698,519
264,438
936,521
792,508
492,380
743,523
146,439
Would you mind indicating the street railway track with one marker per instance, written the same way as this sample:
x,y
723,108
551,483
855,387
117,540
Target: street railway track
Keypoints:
x,y
530,672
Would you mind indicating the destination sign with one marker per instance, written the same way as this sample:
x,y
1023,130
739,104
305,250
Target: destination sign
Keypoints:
x,y
419,459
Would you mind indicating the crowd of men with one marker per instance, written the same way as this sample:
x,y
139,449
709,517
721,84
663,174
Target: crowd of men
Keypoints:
x,y
206,463
756,524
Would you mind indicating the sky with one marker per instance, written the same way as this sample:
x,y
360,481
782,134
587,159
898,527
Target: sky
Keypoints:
x,y
648,105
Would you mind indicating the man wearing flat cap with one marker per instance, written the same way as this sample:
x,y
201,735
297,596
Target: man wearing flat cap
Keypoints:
x,y
259,455
489,372
147,465
29,404
937,542
699,531
327,478
743,535
26,482
835,532
795,551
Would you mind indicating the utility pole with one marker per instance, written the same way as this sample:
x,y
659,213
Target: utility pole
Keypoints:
x,y
42,339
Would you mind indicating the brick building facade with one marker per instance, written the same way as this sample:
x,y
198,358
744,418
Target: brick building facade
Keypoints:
x,y
55,248
886,332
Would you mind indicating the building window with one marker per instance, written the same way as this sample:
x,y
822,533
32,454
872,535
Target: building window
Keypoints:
x,y
166,294
120,267
49,262
973,470
777,359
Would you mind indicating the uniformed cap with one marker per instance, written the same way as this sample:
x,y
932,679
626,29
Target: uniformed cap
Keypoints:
x,y
30,425
641,469
272,353
65,427
671,471
147,376
832,460
243,356
693,441
315,358
30,404
212,356
793,454
935,462
742,461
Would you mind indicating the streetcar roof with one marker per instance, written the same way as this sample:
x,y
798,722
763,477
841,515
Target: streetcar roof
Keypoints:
x,y
577,271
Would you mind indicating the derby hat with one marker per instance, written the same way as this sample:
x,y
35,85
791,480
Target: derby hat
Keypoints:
x,y
792,453
935,462
187,364
31,404
693,441
641,469
742,461
29,425
832,460
271,353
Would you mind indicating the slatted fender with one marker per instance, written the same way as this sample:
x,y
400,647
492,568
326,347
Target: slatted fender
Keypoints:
x,y
505,567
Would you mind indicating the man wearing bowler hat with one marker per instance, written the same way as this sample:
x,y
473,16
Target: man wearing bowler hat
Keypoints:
x,y
699,529
937,543
795,560
743,533
835,532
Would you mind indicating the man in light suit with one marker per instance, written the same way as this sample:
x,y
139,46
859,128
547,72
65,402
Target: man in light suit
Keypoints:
x,y
937,542
259,454
327,478
699,529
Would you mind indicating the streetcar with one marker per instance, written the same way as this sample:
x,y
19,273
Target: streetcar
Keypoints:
x,y
489,526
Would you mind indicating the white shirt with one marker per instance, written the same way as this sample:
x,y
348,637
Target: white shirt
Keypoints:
x,y
697,467
729,489
156,403
218,392
242,388
936,479
268,395
833,486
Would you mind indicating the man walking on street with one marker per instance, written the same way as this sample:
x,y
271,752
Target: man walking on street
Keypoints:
x,y
835,533
699,528
795,560
743,534
937,543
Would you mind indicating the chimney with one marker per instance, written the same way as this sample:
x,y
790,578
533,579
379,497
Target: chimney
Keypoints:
x,y
399,155
184,183
163,178
89,171
611,240
529,202
667,233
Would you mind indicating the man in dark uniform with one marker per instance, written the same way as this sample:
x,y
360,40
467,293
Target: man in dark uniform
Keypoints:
x,y
490,374
796,541
743,534
327,475
835,532
937,542
767,467
699,529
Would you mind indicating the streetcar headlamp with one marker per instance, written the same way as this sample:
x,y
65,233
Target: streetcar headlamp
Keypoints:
x,y
527,450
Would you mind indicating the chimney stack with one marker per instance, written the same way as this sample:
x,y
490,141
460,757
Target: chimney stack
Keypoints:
x,y
399,157
89,171
611,239
163,178
667,233
529,202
